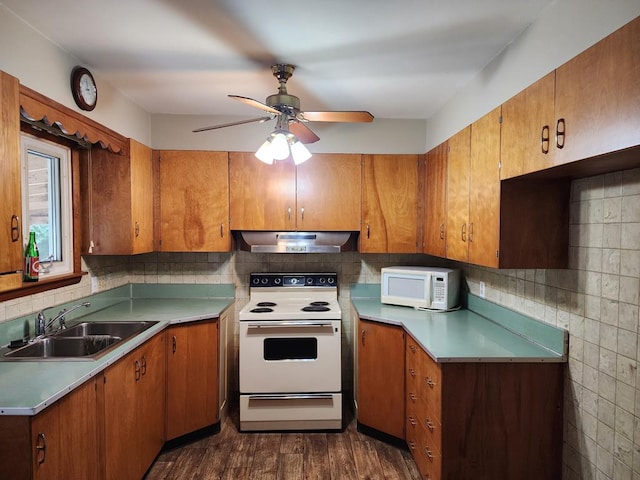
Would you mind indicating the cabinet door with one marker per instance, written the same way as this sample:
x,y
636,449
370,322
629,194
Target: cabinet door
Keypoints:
x,y
194,201
192,377
435,205
484,191
380,393
527,142
389,204
64,437
458,195
10,194
141,197
329,193
598,97
133,396
262,197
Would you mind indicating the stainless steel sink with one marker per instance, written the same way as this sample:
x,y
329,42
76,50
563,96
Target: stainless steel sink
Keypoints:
x,y
65,347
84,341
116,329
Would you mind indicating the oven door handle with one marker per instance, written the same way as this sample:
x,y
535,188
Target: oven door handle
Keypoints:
x,y
288,324
320,396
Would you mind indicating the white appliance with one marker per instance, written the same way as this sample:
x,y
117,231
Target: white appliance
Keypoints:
x,y
290,353
430,288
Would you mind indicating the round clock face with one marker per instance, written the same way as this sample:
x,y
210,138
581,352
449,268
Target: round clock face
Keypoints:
x,y
83,88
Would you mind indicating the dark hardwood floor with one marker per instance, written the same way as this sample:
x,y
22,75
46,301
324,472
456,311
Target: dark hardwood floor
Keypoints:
x,y
284,456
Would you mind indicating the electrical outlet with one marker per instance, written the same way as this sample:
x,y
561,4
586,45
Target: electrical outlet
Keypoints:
x,y
482,290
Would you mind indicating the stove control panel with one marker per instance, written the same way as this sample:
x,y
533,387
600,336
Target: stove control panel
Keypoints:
x,y
293,280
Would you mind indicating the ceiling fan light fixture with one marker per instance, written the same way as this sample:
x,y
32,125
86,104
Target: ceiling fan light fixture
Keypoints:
x,y
264,153
299,152
280,146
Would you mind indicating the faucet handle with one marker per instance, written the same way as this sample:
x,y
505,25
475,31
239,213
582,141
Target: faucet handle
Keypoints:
x,y
41,322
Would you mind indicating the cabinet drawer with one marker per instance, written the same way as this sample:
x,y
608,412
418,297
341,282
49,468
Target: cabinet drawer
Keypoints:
x,y
432,428
430,389
429,461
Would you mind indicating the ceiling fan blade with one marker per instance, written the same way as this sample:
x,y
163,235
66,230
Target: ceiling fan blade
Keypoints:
x,y
346,117
304,133
232,124
255,103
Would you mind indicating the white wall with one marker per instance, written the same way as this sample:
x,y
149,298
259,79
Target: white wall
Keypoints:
x,y
565,29
46,68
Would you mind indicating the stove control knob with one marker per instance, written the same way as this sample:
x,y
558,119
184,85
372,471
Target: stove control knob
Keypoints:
x,y
330,280
255,280
309,280
322,280
264,280
294,281
277,280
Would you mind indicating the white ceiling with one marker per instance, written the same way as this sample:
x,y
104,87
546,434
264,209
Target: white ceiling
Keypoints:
x,y
401,59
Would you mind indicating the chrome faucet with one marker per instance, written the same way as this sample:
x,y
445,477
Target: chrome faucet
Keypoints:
x,y
42,324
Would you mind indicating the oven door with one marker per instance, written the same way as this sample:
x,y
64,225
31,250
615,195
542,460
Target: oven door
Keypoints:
x,y
290,356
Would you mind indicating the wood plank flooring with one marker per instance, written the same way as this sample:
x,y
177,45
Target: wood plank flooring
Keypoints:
x,y
284,456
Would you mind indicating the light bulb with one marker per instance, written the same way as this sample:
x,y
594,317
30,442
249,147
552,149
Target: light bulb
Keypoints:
x,y
299,152
264,153
280,146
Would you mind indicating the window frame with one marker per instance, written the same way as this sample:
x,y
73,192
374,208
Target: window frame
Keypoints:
x,y
30,142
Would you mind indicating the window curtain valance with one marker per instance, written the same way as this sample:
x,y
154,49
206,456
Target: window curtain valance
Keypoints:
x,y
35,107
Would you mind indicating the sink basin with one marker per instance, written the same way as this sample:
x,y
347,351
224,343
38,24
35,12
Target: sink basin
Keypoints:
x,y
115,329
66,347
84,341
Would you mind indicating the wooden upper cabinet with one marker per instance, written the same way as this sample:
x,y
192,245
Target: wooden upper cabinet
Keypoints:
x,y
483,231
435,202
262,197
458,195
194,201
321,194
329,193
389,204
10,194
597,103
118,193
527,142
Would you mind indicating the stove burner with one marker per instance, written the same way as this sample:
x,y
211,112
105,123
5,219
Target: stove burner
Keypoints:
x,y
315,308
319,303
261,310
265,304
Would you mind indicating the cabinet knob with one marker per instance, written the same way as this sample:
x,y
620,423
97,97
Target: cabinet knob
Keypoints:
x,y
15,228
430,382
428,453
428,424
41,448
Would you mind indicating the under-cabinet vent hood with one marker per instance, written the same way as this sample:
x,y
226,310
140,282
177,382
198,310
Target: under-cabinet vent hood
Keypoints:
x,y
296,242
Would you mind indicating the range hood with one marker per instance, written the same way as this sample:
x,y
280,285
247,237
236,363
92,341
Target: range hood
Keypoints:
x,y
296,242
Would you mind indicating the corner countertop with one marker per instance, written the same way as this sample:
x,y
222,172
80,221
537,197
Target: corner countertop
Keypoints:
x,y
481,332
27,387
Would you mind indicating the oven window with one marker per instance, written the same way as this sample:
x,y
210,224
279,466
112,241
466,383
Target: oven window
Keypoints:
x,y
291,348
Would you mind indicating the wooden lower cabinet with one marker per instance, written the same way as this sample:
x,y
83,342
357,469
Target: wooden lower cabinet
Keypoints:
x,y
192,377
134,409
380,384
49,445
483,420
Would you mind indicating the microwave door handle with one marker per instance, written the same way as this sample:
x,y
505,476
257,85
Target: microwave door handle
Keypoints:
x,y
429,289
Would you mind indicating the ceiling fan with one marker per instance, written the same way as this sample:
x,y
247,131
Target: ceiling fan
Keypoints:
x,y
287,108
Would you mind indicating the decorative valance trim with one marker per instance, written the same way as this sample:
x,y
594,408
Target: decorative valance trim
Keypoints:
x,y
35,107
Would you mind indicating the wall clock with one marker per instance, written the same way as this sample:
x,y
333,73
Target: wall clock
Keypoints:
x,y
83,88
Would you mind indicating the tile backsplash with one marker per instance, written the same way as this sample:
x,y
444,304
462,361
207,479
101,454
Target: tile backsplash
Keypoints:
x,y
596,299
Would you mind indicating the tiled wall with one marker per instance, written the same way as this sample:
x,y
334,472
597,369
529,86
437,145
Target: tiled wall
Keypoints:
x,y
596,300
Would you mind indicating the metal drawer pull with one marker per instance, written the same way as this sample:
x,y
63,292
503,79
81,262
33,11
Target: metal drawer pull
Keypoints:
x,y
41,448
413,397
136,369
430,382
412,348
292,397
221,230
429,453
544,139
302,213
471,232
412,445
412,420
412,372
288,324
463,233
560,133
174,346
429,425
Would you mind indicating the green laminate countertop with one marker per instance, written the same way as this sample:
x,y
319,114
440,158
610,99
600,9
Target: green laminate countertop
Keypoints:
x,y
482,332
27,387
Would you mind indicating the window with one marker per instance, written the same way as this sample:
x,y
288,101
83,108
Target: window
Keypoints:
x,y
47,203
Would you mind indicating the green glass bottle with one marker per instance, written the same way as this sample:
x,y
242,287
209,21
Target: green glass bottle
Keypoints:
x,y
31,259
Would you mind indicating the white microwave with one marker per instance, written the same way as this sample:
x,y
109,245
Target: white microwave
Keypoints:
x,y
420,287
